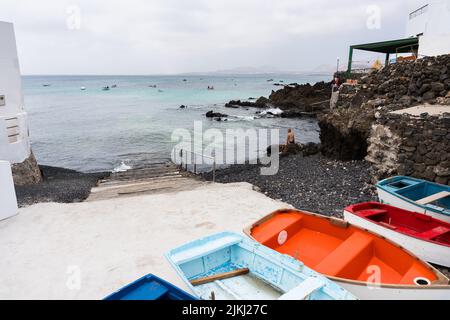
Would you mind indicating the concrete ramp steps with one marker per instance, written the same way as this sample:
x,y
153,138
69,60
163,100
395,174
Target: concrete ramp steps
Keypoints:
x,y
157,178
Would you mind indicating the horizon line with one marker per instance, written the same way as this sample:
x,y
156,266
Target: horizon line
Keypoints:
x,y
188,74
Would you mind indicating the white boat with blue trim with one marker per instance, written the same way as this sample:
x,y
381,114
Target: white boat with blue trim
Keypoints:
x,y
228,266
417,196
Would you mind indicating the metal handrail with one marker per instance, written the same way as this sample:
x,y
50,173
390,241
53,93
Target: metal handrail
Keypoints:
x,y
418,12
186,152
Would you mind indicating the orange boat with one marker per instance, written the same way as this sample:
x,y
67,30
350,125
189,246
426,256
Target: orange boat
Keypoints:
x,y
366,264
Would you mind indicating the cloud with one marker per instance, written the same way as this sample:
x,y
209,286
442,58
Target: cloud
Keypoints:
x,y
171,36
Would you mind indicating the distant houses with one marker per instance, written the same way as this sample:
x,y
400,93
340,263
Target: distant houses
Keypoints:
x,y
427,34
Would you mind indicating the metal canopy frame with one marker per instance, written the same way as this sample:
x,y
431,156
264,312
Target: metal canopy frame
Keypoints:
x,y
406,45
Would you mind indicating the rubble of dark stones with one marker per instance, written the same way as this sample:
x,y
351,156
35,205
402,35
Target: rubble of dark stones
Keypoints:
x,y
312,183
307,150
59,185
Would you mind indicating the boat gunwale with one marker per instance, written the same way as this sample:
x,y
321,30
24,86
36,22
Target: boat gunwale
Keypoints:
x,y
283,263
383,183
400,232
222,246
435,286
146,279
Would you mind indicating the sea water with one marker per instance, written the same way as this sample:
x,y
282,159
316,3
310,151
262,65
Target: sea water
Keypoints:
x,y
76,124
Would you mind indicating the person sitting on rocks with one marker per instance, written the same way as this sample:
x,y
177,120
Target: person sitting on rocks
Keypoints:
x,y
290,137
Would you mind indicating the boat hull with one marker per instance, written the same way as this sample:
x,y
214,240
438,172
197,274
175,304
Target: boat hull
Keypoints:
x,y
150,288
269,275
332,246
395,201
428,251
365,292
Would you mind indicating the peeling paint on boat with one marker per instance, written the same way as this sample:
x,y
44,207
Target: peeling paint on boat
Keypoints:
x,y
272,275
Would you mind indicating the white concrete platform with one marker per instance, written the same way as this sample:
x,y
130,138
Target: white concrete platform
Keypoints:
x,y
432,110
113,242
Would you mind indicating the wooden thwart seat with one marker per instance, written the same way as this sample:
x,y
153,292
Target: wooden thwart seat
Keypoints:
x,y
372,213
222,276
304,290
433,198
388,225
345,254
434,233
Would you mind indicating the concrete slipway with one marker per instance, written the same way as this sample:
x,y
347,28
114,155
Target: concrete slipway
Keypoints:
x,y
111,243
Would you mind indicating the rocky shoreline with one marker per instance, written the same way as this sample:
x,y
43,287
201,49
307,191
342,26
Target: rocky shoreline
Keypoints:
x,y
315,183
58,185
294,100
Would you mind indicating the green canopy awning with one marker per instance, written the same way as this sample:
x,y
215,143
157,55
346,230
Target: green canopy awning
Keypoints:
x,y
387,47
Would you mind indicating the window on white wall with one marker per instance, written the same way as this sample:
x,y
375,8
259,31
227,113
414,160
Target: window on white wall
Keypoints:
x,y
13,130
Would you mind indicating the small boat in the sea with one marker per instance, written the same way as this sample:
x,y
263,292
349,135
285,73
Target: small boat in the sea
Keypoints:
x,y
114,86
366,264
426,237
107,88
228,266
150,287
416,195
46,85
83,88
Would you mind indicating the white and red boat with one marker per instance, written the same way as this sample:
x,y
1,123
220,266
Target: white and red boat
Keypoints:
x,y
421,234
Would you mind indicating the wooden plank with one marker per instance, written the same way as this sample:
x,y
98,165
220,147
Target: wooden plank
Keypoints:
x,y
222,276
304,290
433,198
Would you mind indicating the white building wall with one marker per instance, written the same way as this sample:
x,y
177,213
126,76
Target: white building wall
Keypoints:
x,y
434,45
14,135
8,200
433,24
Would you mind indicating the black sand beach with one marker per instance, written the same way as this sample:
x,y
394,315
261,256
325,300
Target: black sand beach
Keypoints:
x,y
314,183
59,185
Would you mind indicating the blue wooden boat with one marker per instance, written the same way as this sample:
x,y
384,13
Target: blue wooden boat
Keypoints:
x,y
417,196
150,287
228,266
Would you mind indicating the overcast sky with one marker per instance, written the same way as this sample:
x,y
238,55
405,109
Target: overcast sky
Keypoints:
x,y
176,36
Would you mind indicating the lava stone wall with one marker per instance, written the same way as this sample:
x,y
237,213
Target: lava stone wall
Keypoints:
x,y
411,146
345,129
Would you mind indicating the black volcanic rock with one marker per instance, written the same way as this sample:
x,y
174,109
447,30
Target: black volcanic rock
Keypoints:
x,y
212,114
301,95
262,102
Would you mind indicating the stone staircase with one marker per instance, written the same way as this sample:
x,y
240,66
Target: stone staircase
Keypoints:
x,y
153,179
